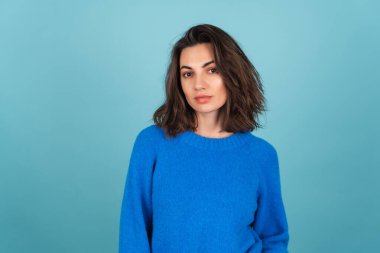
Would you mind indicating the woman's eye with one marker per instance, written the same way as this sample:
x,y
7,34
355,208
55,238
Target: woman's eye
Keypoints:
x,y
185,75
213,70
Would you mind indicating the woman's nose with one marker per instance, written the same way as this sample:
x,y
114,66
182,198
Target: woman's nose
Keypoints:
x,y
200,82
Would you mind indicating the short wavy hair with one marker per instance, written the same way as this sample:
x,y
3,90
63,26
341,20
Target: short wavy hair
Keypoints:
x,y
245,95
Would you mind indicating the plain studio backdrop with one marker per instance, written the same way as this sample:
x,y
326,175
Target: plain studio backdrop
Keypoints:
x,y
80,79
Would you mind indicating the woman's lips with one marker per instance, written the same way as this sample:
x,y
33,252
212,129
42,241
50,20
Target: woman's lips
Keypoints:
x,y
203,100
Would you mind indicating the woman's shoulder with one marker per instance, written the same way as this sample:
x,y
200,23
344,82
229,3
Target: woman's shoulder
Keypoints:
x,y
148,140
262,146
151,133
152,129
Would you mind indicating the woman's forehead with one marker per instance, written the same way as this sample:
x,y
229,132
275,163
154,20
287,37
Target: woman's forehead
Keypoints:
x,y
197,55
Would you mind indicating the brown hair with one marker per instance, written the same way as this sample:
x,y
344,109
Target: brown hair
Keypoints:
x,y
245,95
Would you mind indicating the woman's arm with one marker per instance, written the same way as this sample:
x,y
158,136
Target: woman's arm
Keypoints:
x,y
136,211
270,218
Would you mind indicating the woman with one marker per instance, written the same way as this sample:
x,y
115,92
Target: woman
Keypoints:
x,y
198,179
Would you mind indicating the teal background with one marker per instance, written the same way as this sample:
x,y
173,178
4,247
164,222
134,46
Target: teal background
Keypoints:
x,y
80,79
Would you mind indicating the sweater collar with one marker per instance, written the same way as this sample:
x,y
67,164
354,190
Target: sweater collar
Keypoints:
x,y
233,141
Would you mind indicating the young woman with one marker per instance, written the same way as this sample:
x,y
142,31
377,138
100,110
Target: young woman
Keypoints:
x,y
198,179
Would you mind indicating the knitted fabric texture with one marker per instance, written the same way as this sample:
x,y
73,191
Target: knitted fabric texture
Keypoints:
x,y
198,194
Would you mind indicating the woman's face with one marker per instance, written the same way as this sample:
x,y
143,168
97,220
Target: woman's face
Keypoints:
x,y
199,77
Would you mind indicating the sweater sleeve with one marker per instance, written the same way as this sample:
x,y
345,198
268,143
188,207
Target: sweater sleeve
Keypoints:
x,y
135,229
270,219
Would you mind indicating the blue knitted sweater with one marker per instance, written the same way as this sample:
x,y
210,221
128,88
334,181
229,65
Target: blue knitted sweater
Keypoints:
x,y
198,194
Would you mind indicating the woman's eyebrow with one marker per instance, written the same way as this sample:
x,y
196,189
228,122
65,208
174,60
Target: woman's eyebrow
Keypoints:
x,y
204,65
